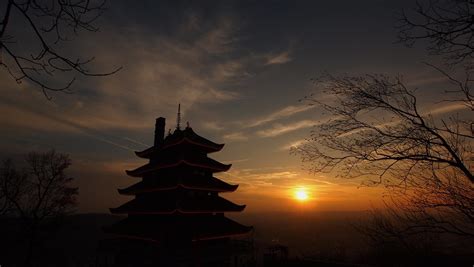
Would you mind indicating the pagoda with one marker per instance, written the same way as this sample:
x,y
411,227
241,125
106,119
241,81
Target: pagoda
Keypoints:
x,y
176,202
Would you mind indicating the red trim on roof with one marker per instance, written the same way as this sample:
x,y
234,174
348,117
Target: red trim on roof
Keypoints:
x,y
175,211
180,185
165,183
193,240
207,204
152,229
146,168
214,148
221,236
145,153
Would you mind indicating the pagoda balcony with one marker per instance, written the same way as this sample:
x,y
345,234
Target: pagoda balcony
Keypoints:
x,y
167,205
160,228
201,162
170,183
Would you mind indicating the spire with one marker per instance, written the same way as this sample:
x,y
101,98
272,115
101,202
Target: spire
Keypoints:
x,y
178,119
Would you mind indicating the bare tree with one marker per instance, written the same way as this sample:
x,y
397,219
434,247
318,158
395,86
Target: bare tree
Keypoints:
x,y
50,23
447,26
378,134
37,194
10,181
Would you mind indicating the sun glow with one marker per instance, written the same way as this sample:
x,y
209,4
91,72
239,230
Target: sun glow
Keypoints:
x,y
301,194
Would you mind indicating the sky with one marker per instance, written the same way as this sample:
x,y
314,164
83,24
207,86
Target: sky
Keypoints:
x,y
238,69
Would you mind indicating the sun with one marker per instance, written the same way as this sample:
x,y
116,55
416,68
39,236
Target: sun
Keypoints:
x,y
301,194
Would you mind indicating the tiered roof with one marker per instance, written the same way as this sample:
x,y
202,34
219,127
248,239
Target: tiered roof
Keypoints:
x,y
184,182
204,163
185,205
182,137
178,190
198,227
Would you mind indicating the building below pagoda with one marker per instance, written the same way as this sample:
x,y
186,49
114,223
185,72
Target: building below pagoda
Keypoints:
x,y
176,217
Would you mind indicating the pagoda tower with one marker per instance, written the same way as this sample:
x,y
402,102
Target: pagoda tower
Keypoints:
x,y
177,201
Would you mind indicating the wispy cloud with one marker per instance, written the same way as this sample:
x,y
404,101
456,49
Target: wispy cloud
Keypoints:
x,y
212,125
277,179
237,136
290,145
276,115
280,58
49,122
159,72
233,161
428,112
279,129
135,141
447,108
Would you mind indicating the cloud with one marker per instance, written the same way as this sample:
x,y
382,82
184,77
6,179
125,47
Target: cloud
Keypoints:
x,y
38,120
279,129
447,108
237,136
233,161
280,58
430,112
159,71
272,179
290,145
279,114
212,125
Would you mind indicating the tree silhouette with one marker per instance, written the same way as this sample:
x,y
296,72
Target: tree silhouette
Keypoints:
x,y
37,194
447,26
50,24
379,134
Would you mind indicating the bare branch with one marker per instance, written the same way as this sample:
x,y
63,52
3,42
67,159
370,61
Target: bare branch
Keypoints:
x,y
61,17
447,26
379,135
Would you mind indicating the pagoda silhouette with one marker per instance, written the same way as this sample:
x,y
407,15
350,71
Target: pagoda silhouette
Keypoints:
x,y
177,207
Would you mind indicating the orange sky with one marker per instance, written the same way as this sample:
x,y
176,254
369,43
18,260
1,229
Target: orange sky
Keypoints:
x,y
238,71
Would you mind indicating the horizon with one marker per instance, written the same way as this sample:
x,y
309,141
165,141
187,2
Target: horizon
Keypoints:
x,y
236,133
238,76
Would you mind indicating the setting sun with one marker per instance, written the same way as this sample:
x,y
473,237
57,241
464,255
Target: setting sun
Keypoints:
x,y
301,194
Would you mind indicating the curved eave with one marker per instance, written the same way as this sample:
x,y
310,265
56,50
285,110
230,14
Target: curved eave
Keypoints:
x,y
210,147
229,234
130,192
145,153
194,239
219,167
185,206
176,211
199,230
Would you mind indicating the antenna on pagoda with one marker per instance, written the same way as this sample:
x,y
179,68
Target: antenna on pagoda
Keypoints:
x,y
178,119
